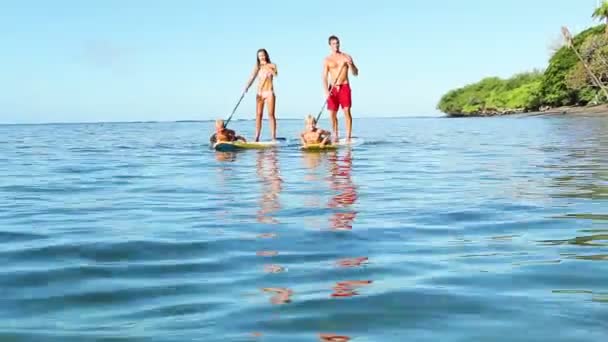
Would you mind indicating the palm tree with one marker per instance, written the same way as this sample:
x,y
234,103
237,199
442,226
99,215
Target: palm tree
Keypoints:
x,y
601,13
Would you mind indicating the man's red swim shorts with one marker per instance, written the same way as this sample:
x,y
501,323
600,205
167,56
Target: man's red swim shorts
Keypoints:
x,y
339,96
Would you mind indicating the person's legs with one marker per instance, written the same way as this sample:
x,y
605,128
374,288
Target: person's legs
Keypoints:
x,y
332,108
258,117
271,117
349,123
333,116
346,103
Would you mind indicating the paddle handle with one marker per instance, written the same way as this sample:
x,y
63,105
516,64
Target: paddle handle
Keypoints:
x,y
330,89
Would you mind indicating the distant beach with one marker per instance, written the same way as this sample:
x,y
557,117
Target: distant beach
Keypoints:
x,y
598,110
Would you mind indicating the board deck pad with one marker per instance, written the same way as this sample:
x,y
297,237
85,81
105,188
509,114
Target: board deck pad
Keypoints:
x,y
341,143
240,145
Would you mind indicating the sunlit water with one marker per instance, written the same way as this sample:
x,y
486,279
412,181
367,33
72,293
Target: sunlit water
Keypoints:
x,y
430,230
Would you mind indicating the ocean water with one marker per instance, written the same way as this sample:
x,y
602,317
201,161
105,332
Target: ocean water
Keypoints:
x,y
429,229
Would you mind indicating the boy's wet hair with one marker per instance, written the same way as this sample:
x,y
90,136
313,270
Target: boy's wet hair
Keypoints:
x,y
310,118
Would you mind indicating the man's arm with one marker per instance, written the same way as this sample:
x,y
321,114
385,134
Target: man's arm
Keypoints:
x,y
324,77
353,68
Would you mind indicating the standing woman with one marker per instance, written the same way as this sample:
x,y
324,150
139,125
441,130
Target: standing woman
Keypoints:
x,y
265,70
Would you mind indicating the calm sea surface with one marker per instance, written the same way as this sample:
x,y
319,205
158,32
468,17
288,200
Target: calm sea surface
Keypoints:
x,y
430,229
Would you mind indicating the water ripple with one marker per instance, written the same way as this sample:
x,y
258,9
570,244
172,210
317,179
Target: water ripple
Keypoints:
x,y
437,230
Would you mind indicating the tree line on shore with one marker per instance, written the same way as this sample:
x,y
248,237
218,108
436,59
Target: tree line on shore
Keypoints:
x,y
577,75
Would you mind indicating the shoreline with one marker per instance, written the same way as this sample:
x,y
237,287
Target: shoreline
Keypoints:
x,y
597,110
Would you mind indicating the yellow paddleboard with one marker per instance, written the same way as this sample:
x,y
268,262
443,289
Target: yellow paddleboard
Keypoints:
x,y
226,146
317,147
330,147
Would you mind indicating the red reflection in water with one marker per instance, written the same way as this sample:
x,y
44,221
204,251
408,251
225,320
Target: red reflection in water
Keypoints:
x,y
333,338
270,178
340,169
281,295
352,262
347,288
274,268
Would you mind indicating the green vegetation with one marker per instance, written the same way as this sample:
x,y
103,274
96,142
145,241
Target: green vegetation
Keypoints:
x,y
594,52
495,96
565,82
555,90
602,13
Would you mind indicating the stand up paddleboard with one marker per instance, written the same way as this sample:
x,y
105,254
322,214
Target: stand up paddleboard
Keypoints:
x,y
240,145
341,143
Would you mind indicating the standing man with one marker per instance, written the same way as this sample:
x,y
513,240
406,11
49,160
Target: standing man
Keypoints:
x,y
337,64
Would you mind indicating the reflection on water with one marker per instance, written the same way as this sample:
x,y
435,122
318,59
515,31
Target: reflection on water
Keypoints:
x,y
280,295
333,338
352,262
580,170
592,240
267,253
225,156
312,160
473,230
274,268
269,175
267,235
340,176
348,288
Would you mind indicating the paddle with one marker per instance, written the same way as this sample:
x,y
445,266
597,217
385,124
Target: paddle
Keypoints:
x,y
330,89
234,110
212,138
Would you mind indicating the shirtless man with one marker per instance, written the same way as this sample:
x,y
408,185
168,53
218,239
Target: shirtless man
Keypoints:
x,y
223,134
312,134
337,64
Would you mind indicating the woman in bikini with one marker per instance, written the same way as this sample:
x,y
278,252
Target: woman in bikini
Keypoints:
x,y
265,71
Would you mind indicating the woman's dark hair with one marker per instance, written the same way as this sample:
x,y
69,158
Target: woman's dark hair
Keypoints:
x,y
265,54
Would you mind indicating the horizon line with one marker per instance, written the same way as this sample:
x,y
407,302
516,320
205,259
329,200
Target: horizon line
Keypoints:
x,y
200,120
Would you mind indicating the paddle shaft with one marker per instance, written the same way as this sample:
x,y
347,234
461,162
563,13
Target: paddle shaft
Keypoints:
x,y
330,89
234,110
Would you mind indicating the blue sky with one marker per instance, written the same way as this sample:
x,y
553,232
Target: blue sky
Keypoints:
x,y
117,60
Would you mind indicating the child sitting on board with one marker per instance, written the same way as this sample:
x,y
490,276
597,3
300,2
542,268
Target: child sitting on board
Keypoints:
x,y
314,135
223,134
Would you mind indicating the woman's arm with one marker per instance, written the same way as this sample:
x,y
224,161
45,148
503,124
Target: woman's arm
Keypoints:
x,y
252,77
